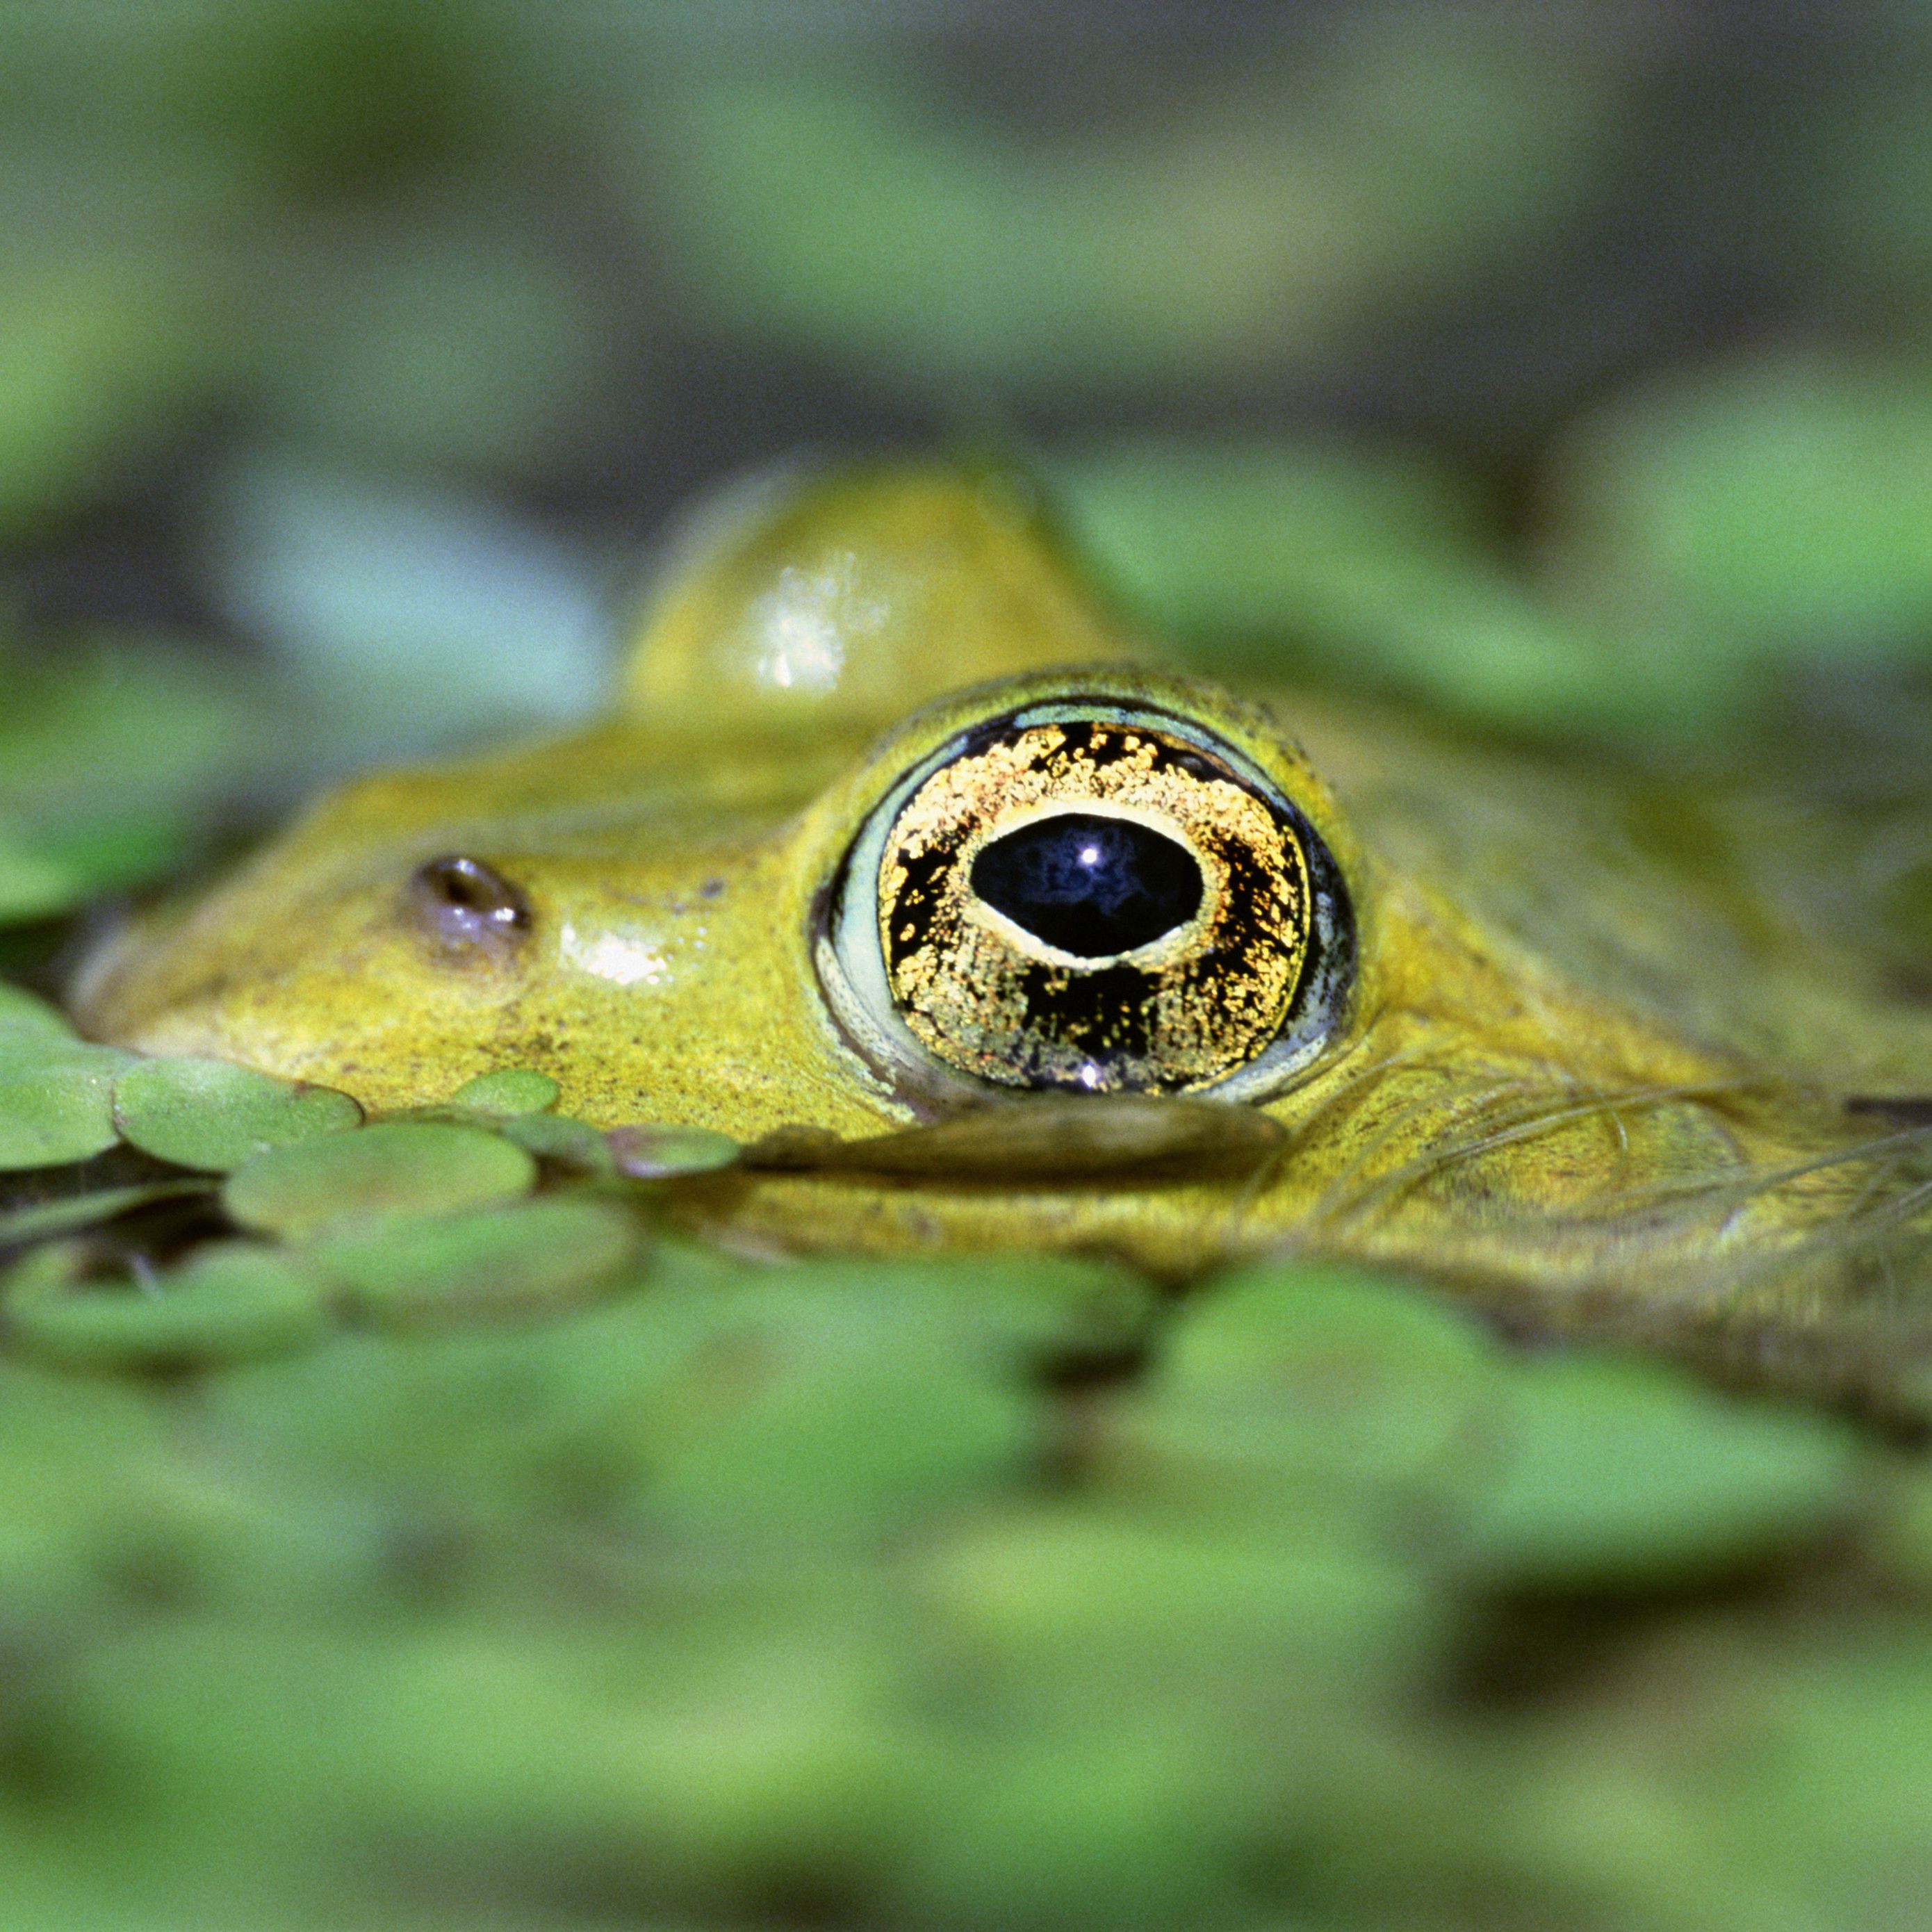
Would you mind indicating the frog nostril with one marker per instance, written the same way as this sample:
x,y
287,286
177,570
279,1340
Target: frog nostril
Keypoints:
x,y
464,901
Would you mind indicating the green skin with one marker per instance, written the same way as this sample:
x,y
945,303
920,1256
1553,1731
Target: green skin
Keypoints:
x,y
1581,1069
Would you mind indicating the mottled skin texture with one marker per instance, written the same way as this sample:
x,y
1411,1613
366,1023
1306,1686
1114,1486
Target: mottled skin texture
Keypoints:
x,y
1582,1064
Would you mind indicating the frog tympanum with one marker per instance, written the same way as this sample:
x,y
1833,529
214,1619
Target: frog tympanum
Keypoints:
x,y
899,859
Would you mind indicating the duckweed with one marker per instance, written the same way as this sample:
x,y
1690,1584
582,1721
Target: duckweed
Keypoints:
x,y
229,1302
394,1167
457,1506
210,1114
571,1144
20,1012
508,1092
491,1557
662,1153
1610,1472
547,1255
56,1098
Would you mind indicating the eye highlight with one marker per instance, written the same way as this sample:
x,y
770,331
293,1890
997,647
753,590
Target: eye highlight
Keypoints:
x,y
1091,898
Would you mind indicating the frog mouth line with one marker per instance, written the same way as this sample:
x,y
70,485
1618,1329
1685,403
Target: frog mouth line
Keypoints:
x,y
1044,1140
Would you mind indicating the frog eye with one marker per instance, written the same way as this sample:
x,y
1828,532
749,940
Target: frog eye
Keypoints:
x,y
464,902
1090,897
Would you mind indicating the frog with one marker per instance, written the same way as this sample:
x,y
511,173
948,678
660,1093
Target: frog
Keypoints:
x,y
904,859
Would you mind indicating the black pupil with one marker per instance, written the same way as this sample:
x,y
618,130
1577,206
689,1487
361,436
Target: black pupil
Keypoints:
x,y
1091,886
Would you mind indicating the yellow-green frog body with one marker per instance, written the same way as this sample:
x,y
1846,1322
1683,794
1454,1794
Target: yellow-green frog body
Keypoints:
x,y
795,880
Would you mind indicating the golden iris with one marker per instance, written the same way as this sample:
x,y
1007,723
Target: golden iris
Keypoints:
x,y
1095,904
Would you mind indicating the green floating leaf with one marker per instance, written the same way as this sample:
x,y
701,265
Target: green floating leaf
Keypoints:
x,y
46,1219
1366,568
115,749
212,1114
663,1153
1301,1380
56,1098
840,1423
233,1302
804,1402
21,1011
511,1091
1097,1828
523,1260
1773,506
1615,1473
556,1137
1014,1311
33,886
393,1168
1247,232
103,351
1099,1599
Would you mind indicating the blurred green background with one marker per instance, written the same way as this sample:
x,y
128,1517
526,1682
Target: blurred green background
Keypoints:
x,y
1563,371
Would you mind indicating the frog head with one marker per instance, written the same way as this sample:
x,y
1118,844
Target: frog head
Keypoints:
x,y
893,822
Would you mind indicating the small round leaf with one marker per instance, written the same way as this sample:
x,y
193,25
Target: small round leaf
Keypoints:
x,y
394,1167
510,1091
55,1106
233,1302
22,1011
663,1153
557,1137
212,1114
540,1256
1612,1472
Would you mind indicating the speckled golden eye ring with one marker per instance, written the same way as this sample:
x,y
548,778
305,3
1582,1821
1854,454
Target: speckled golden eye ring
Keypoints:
x,y
1233,990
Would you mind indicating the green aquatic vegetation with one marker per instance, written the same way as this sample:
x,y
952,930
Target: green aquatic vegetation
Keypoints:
x,y
1770,508
1288,1386
462,1514
570,1144
662,1153
988,1590
1613,1474
230,1302
455,1266
1369,568
394,1167
1289,1390
56,1098
212,1114
426,1483
22,1013
119,752
837,206
509,1092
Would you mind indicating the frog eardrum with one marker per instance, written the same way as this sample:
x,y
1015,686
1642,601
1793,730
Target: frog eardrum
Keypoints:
x,y
1086,896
